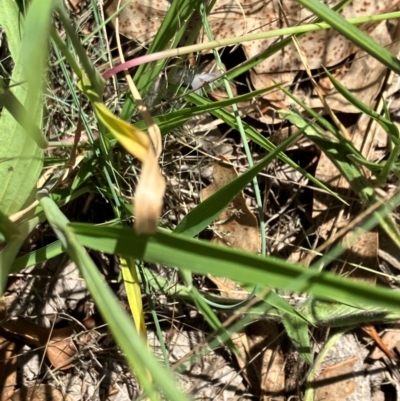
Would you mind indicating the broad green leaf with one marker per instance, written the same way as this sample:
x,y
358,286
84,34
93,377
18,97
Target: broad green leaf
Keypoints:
x,y
8,228
21,159
34,55
19,112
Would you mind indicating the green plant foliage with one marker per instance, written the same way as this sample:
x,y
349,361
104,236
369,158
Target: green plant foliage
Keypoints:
x,y
21,158
203,257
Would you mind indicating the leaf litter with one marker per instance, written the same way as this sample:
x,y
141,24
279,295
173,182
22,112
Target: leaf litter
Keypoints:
x,y
247,17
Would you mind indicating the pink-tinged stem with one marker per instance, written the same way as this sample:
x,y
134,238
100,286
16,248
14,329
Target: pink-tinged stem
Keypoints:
x,y
138,61
238,40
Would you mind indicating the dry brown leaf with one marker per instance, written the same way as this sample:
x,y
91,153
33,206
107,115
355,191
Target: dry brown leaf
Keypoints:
x,y
335,382
41,392
266,372
58,343
8,368
364,77
326,47
141,19
236,226
148,200
330,215
364,252
261,358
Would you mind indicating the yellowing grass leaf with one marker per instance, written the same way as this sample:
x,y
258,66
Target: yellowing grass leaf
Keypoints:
x,y
150,191
132,287
135,141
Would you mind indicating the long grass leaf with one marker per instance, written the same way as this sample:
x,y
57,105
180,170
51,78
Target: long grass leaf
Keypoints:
x,y
201,257
121,326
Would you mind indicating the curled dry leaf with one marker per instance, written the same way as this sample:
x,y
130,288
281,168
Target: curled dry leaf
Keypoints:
x,y
151,187
150,191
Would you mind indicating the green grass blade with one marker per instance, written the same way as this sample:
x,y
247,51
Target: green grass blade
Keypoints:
x,y
201,257
255,136
205,213
297,330
175,119
92,74
121,326
388,126
337,153
38,256
385,123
